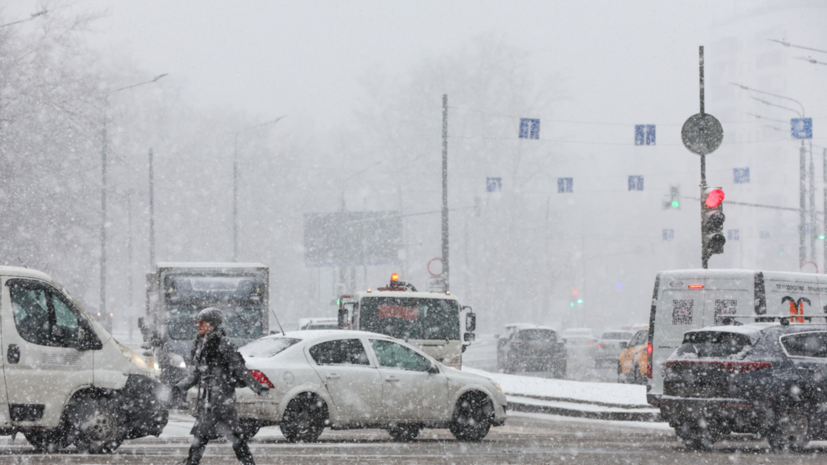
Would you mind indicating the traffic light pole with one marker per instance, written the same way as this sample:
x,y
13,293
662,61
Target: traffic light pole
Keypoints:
x,y
704,253
445,267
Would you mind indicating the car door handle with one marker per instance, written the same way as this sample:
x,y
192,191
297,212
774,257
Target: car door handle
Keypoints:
x,y
333,376
392,379
13,354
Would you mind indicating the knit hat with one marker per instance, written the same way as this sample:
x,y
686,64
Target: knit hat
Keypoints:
x,y
212,316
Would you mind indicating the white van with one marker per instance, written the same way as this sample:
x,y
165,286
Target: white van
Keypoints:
x,y
65,380
690,299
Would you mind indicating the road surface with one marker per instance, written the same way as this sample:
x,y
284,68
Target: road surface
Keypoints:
x,y
526,438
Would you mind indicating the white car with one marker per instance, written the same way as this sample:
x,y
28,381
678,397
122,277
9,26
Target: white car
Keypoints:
x,y
355,379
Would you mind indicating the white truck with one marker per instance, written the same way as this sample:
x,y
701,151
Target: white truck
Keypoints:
x,y
176,292
65,380
436,323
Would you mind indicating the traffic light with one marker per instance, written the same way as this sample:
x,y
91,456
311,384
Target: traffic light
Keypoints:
x,y
674,200
712,214
675,195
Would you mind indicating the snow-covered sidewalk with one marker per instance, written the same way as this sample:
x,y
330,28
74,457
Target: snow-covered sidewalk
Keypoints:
x,y
608,401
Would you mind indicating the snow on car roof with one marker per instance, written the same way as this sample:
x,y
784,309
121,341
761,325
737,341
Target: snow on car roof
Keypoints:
x,y
405,294
24,273
320,333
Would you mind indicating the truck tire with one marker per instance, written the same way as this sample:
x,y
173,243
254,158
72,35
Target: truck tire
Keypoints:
x,y
404,433
50,441
96,426
791,431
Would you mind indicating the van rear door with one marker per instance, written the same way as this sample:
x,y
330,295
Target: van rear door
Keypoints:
x,y
679,309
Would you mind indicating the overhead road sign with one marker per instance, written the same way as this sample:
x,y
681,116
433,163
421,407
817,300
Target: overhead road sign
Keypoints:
x,y
801,128
529,128
645,134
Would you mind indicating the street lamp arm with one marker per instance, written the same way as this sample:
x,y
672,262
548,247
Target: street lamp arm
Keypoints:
x,y
155,79
768,119
787,44
772,95
811,60
258,126
779,106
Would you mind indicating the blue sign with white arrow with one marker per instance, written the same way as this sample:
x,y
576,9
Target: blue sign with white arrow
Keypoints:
x,y
801,128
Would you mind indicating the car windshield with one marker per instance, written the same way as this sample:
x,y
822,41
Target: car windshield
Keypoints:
x,y
616,336
409,318
714,344
267,347
538,335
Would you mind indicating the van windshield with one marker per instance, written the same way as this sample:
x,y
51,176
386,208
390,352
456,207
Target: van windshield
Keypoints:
x,y
714,344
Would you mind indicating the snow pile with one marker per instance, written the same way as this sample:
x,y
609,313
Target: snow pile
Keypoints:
x,y
597,393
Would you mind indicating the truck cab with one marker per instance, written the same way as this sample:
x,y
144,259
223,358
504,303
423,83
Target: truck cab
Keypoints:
x,y
434,322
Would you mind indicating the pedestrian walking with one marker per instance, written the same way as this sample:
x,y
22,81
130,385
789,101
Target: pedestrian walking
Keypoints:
x,y
217,369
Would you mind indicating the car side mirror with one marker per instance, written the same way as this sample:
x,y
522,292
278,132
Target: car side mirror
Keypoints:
x,y
87,339
471,322
469,337
624,344
433,370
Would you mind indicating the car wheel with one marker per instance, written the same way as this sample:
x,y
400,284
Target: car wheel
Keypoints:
x,y
472,417
304,418
404,432
48,441
790,432
693,437
96,426
249,428
560,370
635,374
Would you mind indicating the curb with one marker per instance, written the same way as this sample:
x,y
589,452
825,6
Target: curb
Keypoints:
x,y
612,416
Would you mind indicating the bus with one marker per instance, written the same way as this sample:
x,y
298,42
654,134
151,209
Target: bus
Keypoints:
x,y
436,323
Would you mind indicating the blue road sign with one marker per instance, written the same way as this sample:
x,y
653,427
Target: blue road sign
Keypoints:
x,y
565,185
635,183
529,128
740,175
493,184
645,134
733,234
801,128
668,234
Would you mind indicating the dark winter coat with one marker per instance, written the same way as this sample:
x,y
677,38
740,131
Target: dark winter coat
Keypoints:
x,y
217,371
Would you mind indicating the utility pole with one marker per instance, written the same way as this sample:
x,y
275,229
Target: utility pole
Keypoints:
x,y
704,255
812,188
802,205
445,266
129,247
151,213
824,244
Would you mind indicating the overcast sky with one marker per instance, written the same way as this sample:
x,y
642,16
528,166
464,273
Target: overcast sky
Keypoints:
x,y
306,57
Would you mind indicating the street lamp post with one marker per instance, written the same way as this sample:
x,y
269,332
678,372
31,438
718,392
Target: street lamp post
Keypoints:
x,y
235,182
802,248
104,149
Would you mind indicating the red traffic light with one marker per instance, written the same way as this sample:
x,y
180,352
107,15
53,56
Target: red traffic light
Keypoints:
x,y
714,198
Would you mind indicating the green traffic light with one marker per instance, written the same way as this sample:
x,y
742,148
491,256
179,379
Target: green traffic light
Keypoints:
x,y
579,301
675,204
821,237
571,304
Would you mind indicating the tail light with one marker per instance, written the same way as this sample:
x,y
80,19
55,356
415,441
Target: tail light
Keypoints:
x,y
649,360
261,378
730,367
598,345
